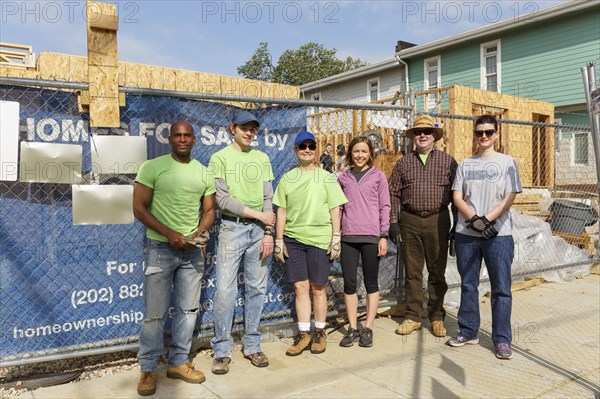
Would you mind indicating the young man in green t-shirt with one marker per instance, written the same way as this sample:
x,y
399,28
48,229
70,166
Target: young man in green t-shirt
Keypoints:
x,y
243,177
168,193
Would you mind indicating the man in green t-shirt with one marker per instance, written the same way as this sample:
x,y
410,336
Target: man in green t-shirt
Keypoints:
x,y
243,177
168,193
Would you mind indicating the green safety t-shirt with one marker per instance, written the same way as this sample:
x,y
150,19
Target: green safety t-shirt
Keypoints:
x,y
308,197
244,173
178,191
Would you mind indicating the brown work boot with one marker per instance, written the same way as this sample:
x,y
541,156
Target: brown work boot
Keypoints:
x,y
258,359
301,343
221,365
319,343
147,384
186,372
408,326
438,329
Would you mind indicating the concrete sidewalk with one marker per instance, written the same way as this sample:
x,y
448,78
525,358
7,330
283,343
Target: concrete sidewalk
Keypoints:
x,y
556,355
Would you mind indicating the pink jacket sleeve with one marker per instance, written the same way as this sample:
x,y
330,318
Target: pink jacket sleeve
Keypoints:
x,y
384,202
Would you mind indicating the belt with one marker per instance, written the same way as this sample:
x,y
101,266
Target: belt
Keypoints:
x,y
424,214
237,219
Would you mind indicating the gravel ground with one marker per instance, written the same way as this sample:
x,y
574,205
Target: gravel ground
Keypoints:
x,y
17,379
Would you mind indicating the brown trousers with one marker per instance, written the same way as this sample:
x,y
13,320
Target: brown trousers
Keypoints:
x,y
425,241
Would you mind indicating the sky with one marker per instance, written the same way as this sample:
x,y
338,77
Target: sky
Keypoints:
x,y
220,36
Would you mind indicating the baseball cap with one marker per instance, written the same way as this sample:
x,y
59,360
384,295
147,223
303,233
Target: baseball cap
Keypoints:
x,y
304,135
243,117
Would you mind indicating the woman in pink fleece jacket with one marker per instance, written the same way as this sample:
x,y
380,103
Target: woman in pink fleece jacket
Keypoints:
x,y
365,225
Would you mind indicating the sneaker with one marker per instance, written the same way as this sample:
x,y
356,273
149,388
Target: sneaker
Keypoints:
x,y
301,343
352,335
366,338
503,351
319,342
258,359
147,384
407,327
186,372
459,341
221,365
438,329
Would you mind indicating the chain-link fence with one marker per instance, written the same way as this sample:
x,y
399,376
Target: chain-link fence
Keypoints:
x,y
554,219
72,290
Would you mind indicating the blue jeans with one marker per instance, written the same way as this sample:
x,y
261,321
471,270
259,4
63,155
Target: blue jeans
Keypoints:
x,y
169,271
239,243
498,253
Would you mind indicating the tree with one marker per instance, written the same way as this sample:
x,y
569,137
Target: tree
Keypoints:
x,y
259,66
310,62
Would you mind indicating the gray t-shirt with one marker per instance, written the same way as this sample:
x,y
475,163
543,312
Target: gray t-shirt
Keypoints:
x,y
484,182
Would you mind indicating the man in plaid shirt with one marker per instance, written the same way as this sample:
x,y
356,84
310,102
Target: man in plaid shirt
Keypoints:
x,y
420,191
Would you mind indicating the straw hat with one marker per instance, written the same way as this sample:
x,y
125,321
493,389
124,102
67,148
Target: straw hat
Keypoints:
x,y
425,122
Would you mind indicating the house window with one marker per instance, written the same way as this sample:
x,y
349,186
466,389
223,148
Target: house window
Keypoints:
x,y
580,148
373,90
432,80
490,66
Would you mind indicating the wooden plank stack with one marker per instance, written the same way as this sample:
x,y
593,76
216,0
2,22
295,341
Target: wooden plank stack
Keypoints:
x,y
528,204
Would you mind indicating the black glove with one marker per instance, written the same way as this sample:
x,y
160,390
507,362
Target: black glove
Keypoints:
x,y
478,223
470,222
394,233
490,231
482,225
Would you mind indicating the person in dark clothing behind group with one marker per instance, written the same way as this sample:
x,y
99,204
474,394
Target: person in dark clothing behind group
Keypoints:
x,y
325,159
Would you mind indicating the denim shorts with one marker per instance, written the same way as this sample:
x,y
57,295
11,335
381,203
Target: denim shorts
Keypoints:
x,y
306,263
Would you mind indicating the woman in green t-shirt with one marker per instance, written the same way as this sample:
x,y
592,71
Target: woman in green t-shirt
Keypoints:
x,y
308,230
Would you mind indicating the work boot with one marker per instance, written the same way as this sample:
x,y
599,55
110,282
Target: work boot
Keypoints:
x,y
221,365
258,359
319,343
186,372
438,328
408,326
147,384
301,343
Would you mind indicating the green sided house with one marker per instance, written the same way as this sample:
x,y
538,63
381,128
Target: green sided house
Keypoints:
x,y
537,56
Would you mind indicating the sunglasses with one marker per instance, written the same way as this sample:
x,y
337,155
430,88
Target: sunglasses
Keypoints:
x,y
425,132
304,146
489,133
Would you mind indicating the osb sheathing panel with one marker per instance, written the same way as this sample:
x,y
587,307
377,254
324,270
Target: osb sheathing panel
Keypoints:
x,y
59,62
75,69
103,71
516,140
7,71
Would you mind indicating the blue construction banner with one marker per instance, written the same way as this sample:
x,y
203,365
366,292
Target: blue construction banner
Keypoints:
x,y
81,286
